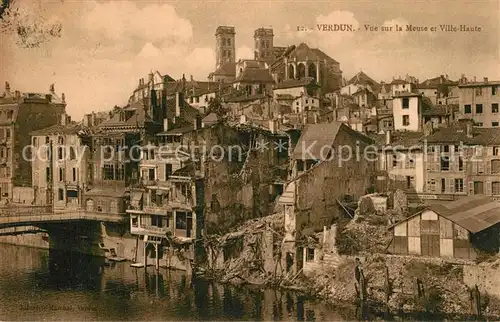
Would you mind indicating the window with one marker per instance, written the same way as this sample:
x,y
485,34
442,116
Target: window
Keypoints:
x,y
460,164
443,185
47,140
406,120
494,124
445,164
168,170
479,124
495,166
479,108
156,221
135,222
300,165
446,148
60,153
120,173
479,91
496,150
151,174
108,172
60,140
310,255
228,41
89,205
74,174
7,133
60,194
61,174
467,109
47,174
495,188
493,90
456,148
410,182
431,185
459,185
180,220
406,102
494,108
10,115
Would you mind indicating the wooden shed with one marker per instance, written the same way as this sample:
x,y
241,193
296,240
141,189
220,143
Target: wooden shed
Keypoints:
x,y
445,230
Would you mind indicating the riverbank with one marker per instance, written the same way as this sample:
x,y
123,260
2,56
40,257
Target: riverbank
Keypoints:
x,y
408,285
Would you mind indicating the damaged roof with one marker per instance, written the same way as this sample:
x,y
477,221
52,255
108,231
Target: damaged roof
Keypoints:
x,y
474,213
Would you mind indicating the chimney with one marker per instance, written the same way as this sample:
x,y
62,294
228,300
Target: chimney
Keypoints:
x,y
52,89
63,98
273,126
388,137
179,97
191,77
166,125
486,79
469,129
93,119
63,119
151,79
48,97
86,120
7,87
18,95
197,122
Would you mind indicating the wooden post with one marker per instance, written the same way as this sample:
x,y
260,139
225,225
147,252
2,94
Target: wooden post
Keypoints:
x,y
157,259
145,254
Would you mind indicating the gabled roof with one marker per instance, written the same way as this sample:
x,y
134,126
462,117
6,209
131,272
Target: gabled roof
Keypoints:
x,y
68,129
436,82
474,213
441,110
303,52
316,136
362,79
457,133
480,84
226,69
255,75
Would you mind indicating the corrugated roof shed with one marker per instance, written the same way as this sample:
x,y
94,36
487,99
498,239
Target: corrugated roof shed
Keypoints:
x,y
474,213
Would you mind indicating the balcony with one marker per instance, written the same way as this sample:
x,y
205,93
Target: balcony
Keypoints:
x,y
149,230
180,203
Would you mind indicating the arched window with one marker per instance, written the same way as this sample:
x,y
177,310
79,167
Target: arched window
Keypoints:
x,y
35,141
89,205
312,71
291,72
47,140
301,71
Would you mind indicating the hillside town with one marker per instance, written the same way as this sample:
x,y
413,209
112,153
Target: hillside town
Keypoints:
x,y
279,169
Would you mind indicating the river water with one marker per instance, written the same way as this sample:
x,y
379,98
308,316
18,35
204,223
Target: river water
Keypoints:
x,y
39,284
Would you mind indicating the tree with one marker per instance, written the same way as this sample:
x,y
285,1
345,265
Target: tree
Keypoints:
x,y
27,25
215,106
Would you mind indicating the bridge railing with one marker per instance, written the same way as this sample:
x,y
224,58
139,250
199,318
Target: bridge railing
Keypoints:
x,y
15,211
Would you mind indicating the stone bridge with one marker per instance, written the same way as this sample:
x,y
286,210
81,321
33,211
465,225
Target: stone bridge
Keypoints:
x,y
16,216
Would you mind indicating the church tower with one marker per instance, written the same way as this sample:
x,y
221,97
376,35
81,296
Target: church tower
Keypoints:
x,y
225,48
263,44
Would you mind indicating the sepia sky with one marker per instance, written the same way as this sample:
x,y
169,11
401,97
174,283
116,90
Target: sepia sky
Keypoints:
x,y
106,46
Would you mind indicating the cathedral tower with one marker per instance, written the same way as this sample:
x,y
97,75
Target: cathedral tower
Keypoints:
x,y
225,47
263,44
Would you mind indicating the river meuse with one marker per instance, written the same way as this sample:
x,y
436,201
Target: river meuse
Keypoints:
x,y
39,284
